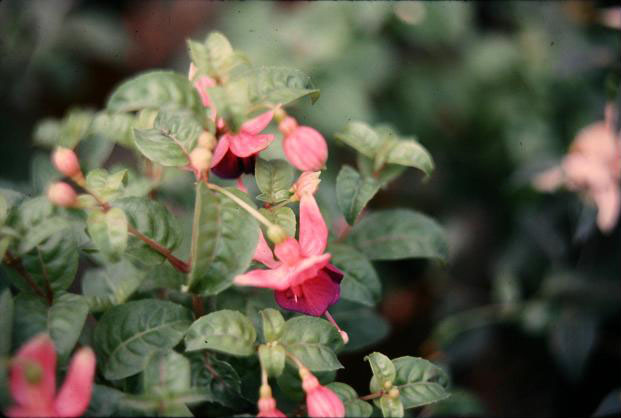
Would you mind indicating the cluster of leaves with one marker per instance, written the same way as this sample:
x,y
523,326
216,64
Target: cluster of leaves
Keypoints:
x,y
170,333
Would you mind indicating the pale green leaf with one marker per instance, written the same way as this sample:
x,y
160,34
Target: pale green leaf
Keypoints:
x,y
278,85
274,180
167,373
273,323
410,153
283,217
272,359
353,192
391,407
226,331
314,341
361,137
383,370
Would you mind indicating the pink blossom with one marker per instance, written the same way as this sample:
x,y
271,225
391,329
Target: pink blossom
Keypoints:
x,y
201,84
236,154
33,381
267,404
593,168
302,278
320,401
304,147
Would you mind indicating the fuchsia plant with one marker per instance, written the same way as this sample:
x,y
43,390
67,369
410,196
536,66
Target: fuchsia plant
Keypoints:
x,y
176,328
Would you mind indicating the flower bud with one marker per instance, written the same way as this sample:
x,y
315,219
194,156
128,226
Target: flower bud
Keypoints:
x,y
207,140
288,251
61,194
393,393
306,184
304,147
279,114
320,401
200,159
66,162
267,404
287,125
276,234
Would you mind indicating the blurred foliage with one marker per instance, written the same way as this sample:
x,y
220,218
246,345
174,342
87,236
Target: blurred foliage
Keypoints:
x,y
495,92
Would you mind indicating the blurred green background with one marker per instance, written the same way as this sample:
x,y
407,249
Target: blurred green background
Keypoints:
x,y
526,315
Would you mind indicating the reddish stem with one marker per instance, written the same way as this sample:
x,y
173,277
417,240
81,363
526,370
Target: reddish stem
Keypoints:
x,y
16,263
177,263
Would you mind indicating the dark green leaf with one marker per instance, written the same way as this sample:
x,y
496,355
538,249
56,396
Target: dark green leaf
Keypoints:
x,y
29,318
278,85
571,339
314,341
364,326
105,401
166,374
274,179
353,192
227,331
354,407
420,382
128,334
388,172
360,283
224,241
65,321
111,286
6,322
217,380
399,233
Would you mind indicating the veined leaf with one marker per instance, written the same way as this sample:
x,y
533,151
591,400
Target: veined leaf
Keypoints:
x,y
108,232
166,374
411,153
272,359
361,137
278,85
215,57
419,381
314,341
391,408
283,217
383,370
353,192
112,285
226,331
65,321
354,407
225,388
360,283
274,179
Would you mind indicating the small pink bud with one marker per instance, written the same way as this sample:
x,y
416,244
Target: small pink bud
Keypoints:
x,y
320,401
61,194
304,147
306,184
287,125
267,404
66,162
288,251
200,160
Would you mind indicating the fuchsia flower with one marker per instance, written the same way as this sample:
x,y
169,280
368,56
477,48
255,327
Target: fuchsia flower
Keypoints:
x,y
267,404
304,147
320,401
33,381
201,84
303,279
593,167
236,154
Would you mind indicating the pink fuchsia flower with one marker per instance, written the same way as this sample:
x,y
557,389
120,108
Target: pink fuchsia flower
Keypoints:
x,y
201,84
592,167
320,401
33,381
303,279
267,404
304,147
236,154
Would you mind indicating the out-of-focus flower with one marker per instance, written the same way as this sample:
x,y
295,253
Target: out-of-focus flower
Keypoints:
x,y
33,381
320,401
592,167
66,162
61,194
611,17
201,84
304,147
267,404
236,154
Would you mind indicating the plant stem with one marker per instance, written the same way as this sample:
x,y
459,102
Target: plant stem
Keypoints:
x,y
252,211
370,396
16,263
177,263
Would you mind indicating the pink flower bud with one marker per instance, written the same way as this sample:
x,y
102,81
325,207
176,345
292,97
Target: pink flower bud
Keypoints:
x,y
287,125
267,404
304,147
61,194
66,162
200,160
288,251
307,184
320,401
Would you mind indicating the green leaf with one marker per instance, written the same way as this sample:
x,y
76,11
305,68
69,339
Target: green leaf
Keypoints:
x,y
155,89
108,232
114,127
361,137
272,359
214,57
412,154
360,283
391,407
153,220
283,217
571,338
4,209
387,173
40,232
105,185
399,233
274,180
314,341
273,323
6,322
29,318
75,126
226,331
166,374
171,140
353,192
217,380
126,335
93,151
224,240
420,382
65,321
278,85
113,285
364,325
383,370
47,132
232,101
354,407
105,402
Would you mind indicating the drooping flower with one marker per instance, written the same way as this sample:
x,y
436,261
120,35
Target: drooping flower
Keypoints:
x,y
320,401
303,279
33,381
304,147
267,404
592,167
236,153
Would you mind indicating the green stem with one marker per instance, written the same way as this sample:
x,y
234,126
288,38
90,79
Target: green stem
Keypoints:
x,y
252,211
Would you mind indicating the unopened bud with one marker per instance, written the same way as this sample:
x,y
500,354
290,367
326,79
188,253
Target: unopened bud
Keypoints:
x,y
387,385
394,393
66,162
61,194
344,336
265,391
276,234
287,125
207,140
200,159
279,114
